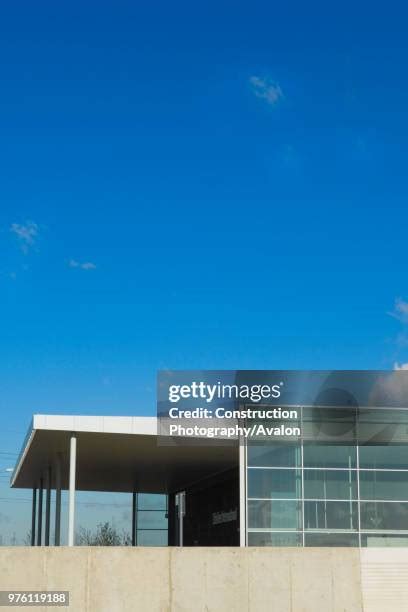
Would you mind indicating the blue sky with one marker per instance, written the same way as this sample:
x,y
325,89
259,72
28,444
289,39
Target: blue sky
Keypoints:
x,y
196,186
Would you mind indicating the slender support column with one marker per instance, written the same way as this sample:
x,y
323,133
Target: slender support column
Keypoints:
x,y
242,493
48,507
72,474
33,516
181,513
134,518
40,504
57,534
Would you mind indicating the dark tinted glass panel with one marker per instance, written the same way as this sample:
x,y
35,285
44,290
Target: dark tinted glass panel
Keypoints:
x,y
386,416
147,501
265,538
151,519
274,455
330,484
384,485
383,515
383,426
382,539
383,457
329,424
331,539
151,538
331,515
329,456
276,514
276,484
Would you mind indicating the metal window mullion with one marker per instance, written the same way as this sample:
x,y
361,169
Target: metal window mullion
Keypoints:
x,y
358,494
332,499
303,477
243,495
245,454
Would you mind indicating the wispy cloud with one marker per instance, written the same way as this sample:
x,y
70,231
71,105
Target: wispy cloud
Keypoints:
x,y
400,311
266,89
26,234
400,366
86,265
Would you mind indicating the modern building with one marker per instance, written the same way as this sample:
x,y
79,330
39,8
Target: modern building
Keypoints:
x,y
122,454
342,482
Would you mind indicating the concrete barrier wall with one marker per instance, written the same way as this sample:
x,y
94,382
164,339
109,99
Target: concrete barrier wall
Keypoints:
x,y
212,579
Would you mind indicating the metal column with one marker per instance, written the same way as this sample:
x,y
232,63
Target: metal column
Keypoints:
x,y
33,513
134,518
40,503
57,534
181,512
72,474
242,493
48,508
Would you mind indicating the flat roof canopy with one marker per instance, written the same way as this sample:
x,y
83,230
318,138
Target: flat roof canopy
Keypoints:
x,y
117,454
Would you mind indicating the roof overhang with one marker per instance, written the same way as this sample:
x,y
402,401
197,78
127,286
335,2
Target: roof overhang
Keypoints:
x,y
117,454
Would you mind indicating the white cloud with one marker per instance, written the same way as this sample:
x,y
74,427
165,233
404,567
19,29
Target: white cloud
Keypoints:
x,y
87,265
400,311
26,234
266,89
400,366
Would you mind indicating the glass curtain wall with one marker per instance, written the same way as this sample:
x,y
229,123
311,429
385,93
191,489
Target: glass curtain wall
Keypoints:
x,y
151,519
343,483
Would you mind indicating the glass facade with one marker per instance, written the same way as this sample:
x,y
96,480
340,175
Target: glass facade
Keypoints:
x,y
343,482
152,520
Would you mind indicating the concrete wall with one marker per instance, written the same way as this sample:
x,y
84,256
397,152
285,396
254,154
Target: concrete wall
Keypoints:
x,y
213,579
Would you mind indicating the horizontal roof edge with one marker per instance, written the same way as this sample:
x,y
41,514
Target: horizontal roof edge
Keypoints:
x,y
97,424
